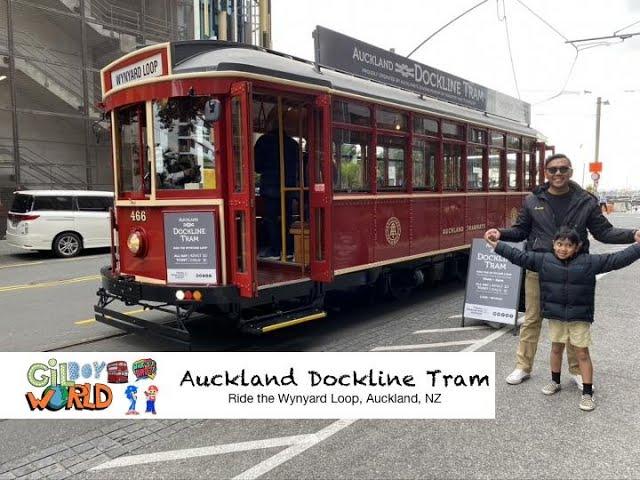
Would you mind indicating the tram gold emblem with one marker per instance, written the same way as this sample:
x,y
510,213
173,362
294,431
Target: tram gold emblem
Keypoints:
x,y
392,231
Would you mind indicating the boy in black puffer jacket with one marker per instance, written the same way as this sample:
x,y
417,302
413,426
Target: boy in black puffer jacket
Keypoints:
x,y
567,287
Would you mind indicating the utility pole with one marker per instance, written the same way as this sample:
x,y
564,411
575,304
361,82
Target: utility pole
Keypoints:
x,y
599,104
598,111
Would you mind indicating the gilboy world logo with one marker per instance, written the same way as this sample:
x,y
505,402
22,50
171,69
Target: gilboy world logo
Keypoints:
x,y
61,389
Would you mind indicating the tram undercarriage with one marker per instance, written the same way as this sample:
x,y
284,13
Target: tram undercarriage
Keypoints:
x,y
273,309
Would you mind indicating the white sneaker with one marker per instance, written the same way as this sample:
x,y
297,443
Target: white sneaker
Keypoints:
x,y
517,376
577,379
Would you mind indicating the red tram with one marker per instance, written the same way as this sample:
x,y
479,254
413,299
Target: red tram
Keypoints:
x,y
380,187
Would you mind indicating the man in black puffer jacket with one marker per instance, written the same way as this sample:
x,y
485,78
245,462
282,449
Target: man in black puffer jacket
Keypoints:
x,y
559,202
568,288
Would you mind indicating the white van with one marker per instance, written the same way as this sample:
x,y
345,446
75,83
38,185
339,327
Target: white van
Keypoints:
x,y
65,221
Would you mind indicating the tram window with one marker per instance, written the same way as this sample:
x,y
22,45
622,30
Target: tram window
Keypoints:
x,y
495,169
424,164
452,130
184,144
528,171
349,112
391,120
425,126
474,167
528,144
452,167
236,144
478,136
514,142
390,155
497,139
133,168
512,170
350,160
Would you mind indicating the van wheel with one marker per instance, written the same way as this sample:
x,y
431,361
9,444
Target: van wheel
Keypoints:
x,y
67,245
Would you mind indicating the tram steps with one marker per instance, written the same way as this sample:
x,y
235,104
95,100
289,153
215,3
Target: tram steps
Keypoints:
x,y
279,320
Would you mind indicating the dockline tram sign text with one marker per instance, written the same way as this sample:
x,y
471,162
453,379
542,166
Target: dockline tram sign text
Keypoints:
x,y
493,285
339,51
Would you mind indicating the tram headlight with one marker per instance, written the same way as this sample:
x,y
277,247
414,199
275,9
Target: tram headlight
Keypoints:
x,y
136,243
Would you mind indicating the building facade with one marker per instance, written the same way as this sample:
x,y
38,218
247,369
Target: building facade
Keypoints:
x,y
52,134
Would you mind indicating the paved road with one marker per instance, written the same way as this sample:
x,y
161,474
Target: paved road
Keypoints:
x,y
532,435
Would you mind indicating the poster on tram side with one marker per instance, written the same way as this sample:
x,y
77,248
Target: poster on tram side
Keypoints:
x,y
190,247
493,285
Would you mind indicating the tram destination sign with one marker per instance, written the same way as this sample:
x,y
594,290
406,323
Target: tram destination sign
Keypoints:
x,y
335,50
493,285
143,69
190,247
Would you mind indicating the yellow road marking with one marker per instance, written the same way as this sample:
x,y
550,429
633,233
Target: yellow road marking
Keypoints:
x,y
54,283
40,262
90,320
22,264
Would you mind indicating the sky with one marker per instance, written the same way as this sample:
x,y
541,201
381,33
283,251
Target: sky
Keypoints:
x,y
475,48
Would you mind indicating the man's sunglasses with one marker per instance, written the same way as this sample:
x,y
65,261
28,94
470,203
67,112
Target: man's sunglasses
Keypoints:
x,y
554,170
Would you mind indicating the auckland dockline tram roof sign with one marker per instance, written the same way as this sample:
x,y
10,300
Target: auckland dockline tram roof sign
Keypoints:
x,y
335,50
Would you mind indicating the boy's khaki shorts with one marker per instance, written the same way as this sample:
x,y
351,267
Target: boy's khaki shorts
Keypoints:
x,y
577,333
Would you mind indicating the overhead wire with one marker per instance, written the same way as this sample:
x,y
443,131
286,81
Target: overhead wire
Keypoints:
x,y
624,28
506,27
573,63
446,25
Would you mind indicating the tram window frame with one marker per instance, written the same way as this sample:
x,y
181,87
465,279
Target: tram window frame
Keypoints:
x,y
236,145
420,123
338,116
449,134
529,168
429,164
512,165
497,139
384,162
501,182
392,120
142,163
190,138
514,142
476,186
458,186
364,185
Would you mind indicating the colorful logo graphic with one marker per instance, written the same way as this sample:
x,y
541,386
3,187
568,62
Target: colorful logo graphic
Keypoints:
x,y
62,391
132,395
151,394
117,372
144,368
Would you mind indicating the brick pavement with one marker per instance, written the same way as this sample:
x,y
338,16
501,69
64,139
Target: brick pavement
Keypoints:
x,y
93,448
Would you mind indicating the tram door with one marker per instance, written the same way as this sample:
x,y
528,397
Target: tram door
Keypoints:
x,y
289,137
242,192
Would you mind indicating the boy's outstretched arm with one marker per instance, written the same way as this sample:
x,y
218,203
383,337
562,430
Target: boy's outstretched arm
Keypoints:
x,y
618,260
529,260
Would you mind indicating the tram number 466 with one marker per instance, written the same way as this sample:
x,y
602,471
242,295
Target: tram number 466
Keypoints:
x,y
138,216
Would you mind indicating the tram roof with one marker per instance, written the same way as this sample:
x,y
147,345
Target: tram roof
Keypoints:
x,y
212,55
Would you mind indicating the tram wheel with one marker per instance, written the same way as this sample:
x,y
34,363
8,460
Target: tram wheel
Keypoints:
x,y
67,245
400,285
